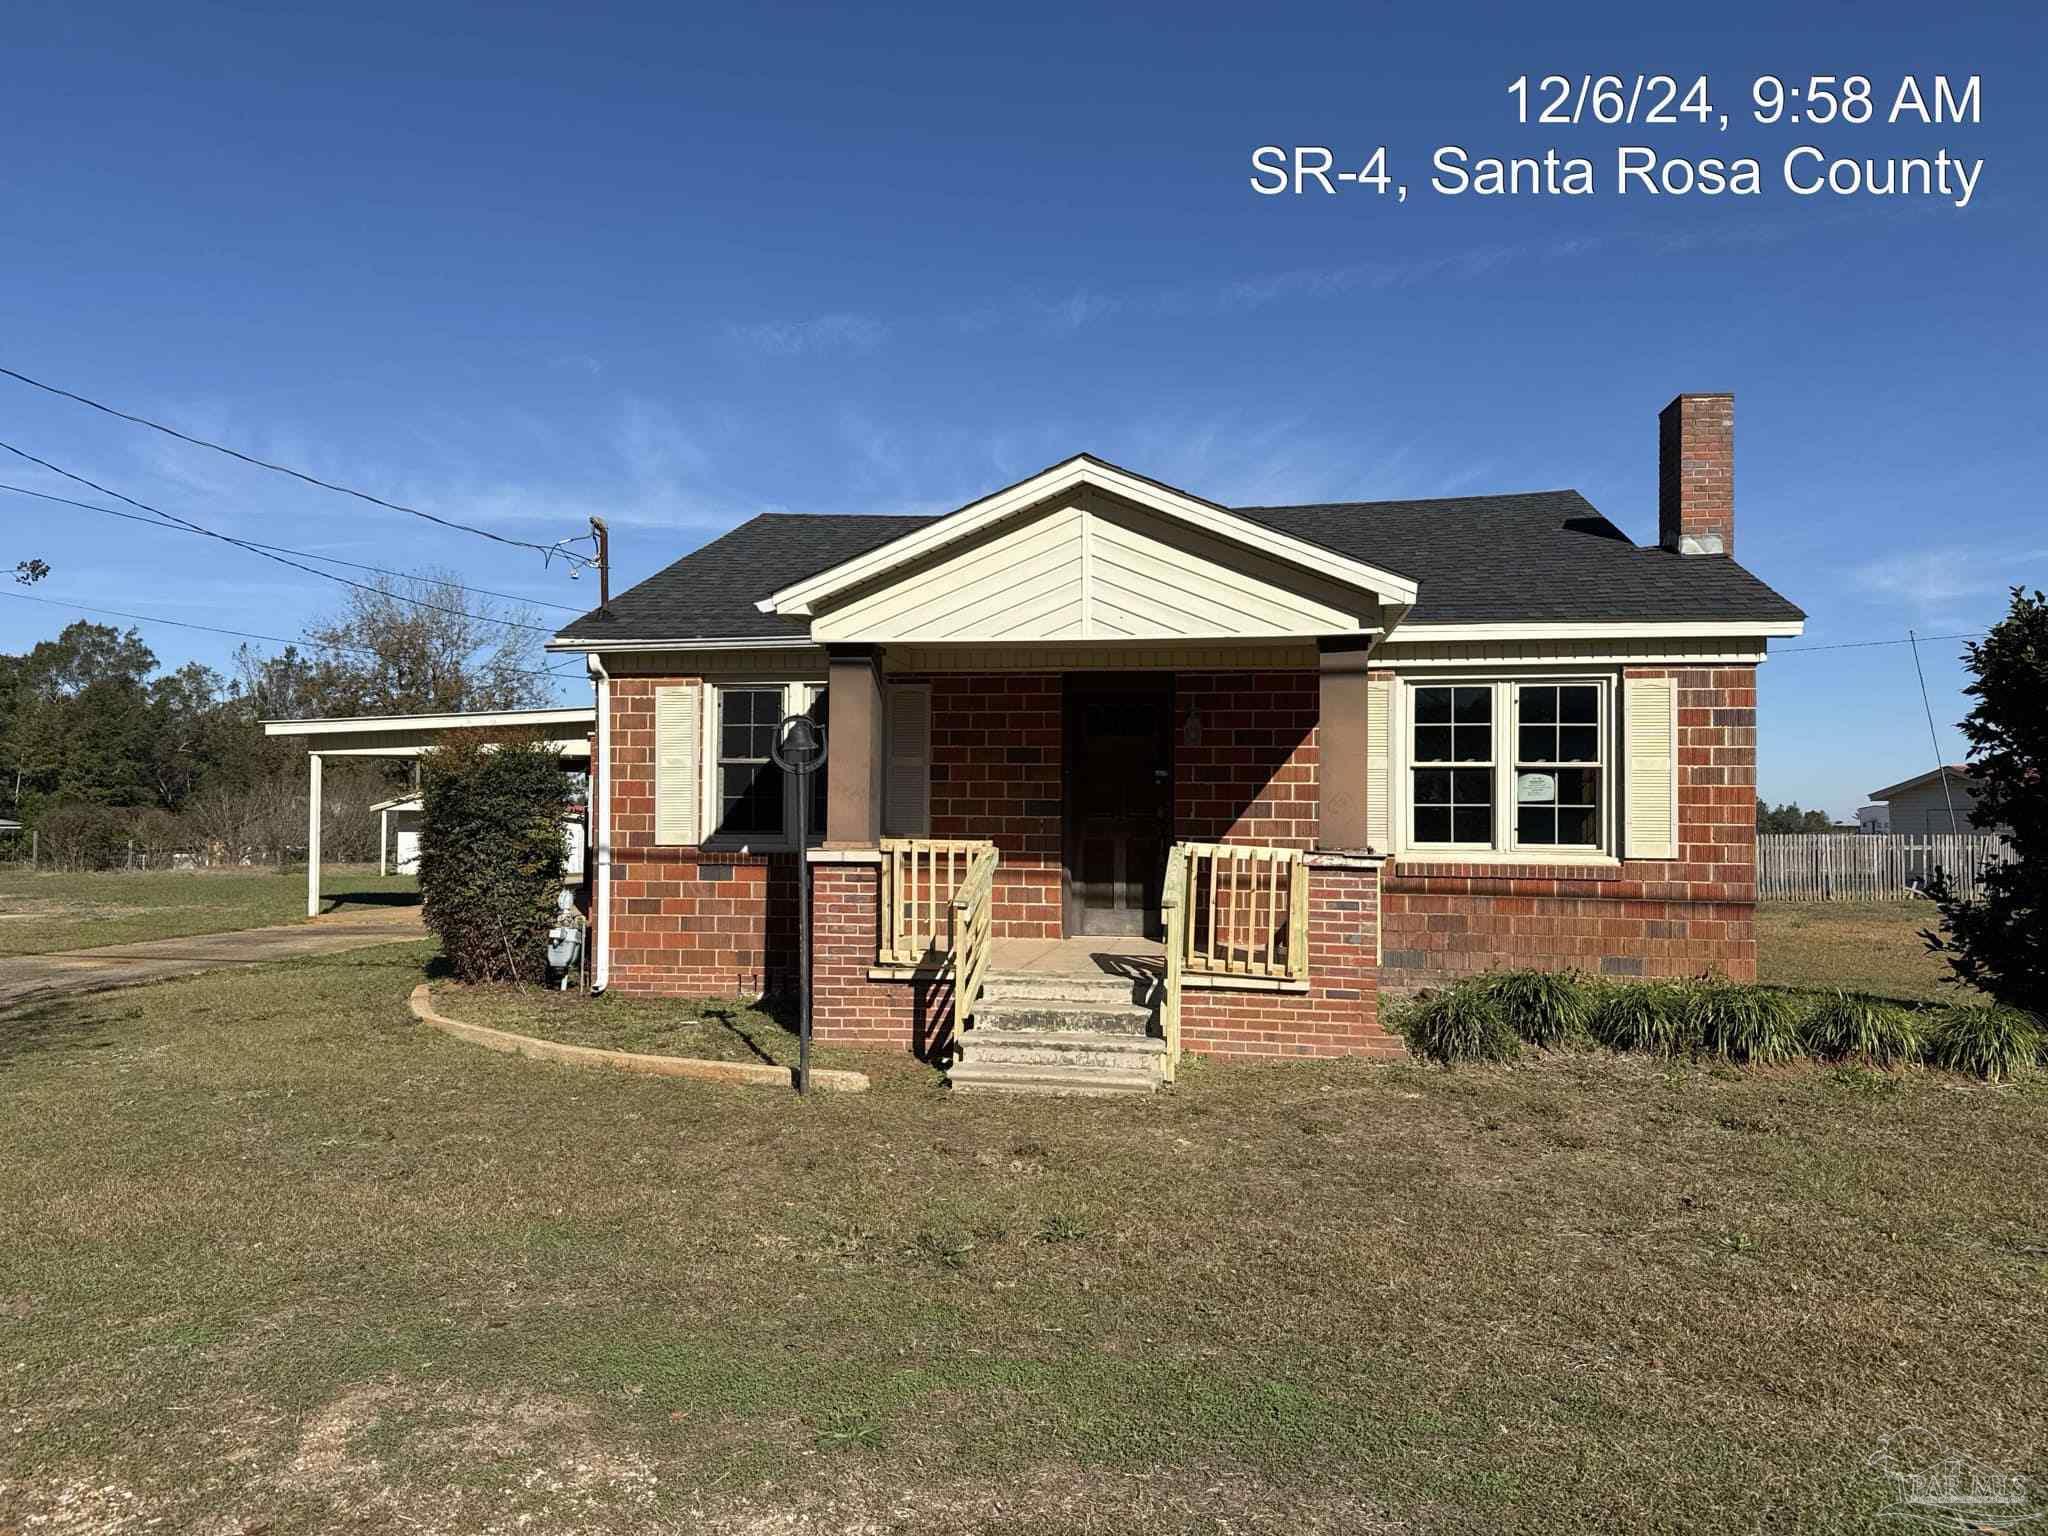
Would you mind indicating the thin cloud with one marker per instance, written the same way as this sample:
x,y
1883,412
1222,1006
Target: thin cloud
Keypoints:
x,y
1934,576
845,331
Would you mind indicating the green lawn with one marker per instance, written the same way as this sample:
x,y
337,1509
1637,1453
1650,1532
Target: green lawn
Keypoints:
x,y
275,1257
1861,946
43,913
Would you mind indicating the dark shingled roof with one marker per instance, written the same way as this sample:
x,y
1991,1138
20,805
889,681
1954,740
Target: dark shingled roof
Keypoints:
x,y
1543,556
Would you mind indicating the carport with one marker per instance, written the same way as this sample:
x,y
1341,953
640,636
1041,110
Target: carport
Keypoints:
x,y
566,730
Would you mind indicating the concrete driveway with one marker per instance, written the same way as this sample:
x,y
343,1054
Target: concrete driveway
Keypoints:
x,y
36,978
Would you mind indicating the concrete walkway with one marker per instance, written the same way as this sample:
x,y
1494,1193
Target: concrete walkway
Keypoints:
x,y
37,978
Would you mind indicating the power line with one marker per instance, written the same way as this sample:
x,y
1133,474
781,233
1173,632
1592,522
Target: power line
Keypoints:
x,y
241,634
187,523
1941,766
546,550
282,549
1856,645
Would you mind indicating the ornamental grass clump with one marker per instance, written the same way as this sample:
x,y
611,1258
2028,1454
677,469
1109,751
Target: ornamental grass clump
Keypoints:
x,y
1750,1025
1461,1023
1545,1008
1849,1027
1649,1016
1990,1041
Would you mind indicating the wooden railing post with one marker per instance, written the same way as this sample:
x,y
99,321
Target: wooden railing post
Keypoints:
x,y
1173,911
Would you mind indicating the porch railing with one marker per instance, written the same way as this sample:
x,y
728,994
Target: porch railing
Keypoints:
x,y
921,876
972,929
1173,912
1245,912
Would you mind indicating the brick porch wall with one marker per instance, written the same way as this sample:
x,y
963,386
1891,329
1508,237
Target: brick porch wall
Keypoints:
x,y
1644,918
996,773
1246,770
1339,1014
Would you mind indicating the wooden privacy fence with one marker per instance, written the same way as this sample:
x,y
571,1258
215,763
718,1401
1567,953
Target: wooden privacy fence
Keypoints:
x,y
920,878
1868,866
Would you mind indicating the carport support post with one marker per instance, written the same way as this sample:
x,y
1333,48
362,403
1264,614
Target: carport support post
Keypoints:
x,y
313,835
383,839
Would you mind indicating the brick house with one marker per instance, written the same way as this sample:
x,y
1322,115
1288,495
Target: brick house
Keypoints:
x,y
1115,772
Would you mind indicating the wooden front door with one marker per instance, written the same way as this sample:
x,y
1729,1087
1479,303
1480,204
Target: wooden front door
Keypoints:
x,y
1119,801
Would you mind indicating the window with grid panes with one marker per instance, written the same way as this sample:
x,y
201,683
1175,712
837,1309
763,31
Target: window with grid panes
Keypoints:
x,y
1451,766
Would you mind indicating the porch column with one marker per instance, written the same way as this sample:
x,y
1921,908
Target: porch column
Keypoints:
x,y
1341,742
313,835
383,839
853,770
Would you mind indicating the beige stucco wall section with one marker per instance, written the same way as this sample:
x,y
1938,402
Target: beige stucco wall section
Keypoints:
x,y
1089,566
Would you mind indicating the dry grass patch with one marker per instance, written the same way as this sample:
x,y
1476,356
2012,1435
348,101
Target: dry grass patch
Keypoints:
x,y
47,913
728,1030
1872,947
279,1257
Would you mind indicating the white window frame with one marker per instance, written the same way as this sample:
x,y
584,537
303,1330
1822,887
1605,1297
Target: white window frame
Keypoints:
x,y
797,697
1504,848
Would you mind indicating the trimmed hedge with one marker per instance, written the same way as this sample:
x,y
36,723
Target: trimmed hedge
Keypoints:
x,y
491,853
1490,1017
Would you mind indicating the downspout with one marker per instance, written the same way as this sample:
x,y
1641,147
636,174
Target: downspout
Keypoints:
x,y
601,973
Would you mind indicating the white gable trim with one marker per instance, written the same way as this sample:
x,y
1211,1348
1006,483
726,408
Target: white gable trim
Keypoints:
x,y
802,598
1618,630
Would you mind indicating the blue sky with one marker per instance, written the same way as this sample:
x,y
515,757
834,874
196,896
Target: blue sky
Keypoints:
x,y
522,264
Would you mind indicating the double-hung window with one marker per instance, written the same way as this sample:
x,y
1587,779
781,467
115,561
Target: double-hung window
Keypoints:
x,y
1558,765
1453,766
753,802
1509,765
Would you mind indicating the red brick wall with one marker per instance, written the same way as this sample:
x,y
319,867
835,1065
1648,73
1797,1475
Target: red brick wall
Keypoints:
x,y
1644,918
684,922
996,762
1249,773
847,1008
1338,1015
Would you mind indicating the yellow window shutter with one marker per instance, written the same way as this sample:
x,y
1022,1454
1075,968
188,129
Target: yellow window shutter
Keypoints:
x,y
907,799
677,779
1379,774
1649,723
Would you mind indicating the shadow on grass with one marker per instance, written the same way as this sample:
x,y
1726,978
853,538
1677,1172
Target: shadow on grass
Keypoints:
x,y
58,1024
387,900
783,1013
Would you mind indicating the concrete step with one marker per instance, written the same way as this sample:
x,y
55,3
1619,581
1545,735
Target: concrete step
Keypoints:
x,y
1079,1082
1030,1016
1040,986
1063,1048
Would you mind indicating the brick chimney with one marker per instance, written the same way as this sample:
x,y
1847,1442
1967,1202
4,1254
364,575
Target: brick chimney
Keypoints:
x,y
1696,475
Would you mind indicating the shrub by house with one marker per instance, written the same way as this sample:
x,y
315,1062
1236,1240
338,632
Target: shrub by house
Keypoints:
x,y
491,853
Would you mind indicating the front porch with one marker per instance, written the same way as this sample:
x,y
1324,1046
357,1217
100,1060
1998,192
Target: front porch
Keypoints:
x,y
1137,958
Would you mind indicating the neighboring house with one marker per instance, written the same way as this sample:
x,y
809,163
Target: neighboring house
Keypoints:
x,y
1336,750
1940,800
1874,818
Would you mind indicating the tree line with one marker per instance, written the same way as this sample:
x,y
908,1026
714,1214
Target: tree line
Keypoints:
x,y
109,756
